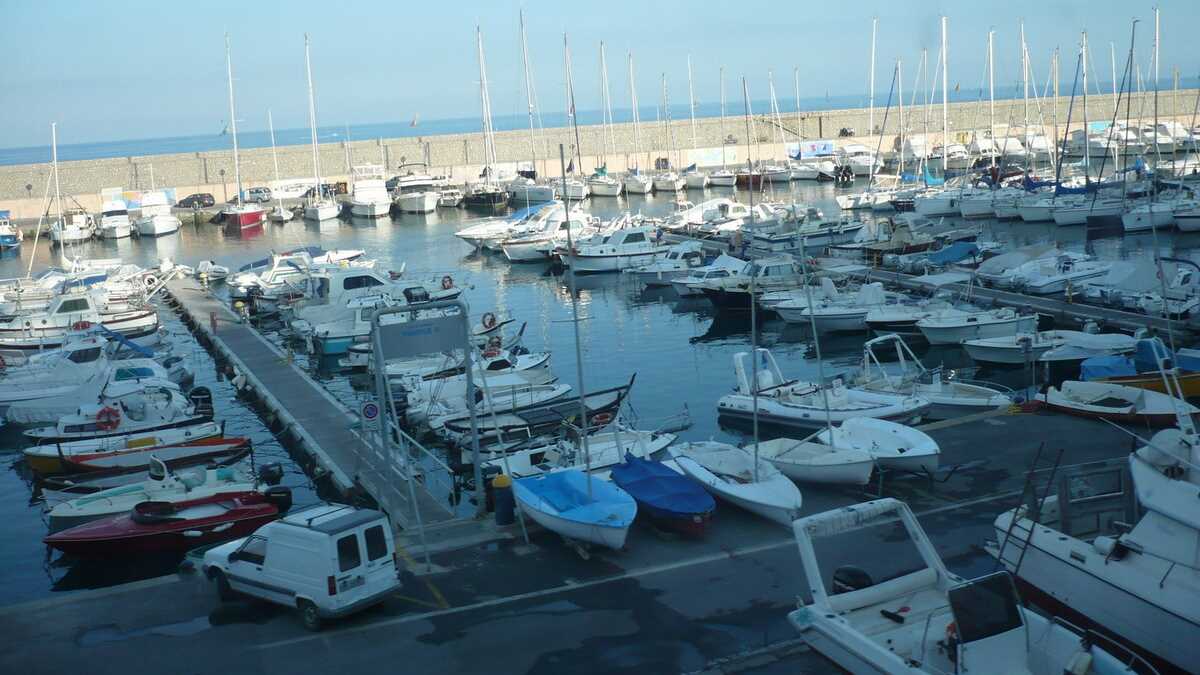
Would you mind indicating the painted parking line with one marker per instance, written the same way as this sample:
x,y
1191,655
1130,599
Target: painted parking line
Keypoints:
x,y
438,598
732,554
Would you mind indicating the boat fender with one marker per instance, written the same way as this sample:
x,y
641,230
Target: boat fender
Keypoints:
x,y
447,282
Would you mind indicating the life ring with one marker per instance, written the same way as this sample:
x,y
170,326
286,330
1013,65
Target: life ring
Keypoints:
x,y
488,321
108,418
447,282
81,325
601,419
150,281
491,352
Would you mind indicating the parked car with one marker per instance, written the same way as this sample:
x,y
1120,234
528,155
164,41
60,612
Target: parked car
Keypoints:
x,y
200,199
258,194
327,190
326,561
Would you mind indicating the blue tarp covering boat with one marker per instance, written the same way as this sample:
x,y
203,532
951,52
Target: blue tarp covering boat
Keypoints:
x,y
1144,360
959,250
562,502
670,499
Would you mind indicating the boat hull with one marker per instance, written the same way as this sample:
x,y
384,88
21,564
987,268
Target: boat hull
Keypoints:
x,y
952,335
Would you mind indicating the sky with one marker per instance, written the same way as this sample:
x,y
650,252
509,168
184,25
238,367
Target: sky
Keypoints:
x,y
109,71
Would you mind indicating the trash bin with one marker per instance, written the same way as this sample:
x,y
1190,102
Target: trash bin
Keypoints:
x,y
505,503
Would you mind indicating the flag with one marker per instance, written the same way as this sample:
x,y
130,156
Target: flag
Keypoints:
x,y
486,171
571,166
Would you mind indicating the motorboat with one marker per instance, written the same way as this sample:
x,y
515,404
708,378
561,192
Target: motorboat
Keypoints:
x,y
577,506
1052,277
764,274
792,403
524,192
954,326
925,620
418,201
72,227
450,199
174,527
622,249
1001,269
944,389
210,270
369,196
59,488
609,442
129,407
162,485
891,445
155,217
1115,402
132,450
901,318
861,160
443,401
842,313
488,233
690,285
806,461
11,236
1046,346
670,501
1115,546
534,240
48,328
114,221
733,474
679,261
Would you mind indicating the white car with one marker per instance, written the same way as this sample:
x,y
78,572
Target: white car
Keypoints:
x,y
326,561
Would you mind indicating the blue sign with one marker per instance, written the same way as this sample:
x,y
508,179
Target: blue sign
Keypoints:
x,y
369,410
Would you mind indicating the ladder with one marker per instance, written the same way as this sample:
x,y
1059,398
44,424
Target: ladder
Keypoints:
x,y
1032,502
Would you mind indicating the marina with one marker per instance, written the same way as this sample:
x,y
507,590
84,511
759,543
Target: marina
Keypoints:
x,y
920,399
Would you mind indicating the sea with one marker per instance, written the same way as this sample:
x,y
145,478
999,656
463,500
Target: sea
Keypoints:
x,y
680,350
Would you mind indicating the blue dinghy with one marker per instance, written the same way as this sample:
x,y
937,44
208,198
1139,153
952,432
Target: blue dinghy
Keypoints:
x,y
670,499
559,501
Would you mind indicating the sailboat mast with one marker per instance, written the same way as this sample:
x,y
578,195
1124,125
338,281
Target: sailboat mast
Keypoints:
x,y
637,118
237,170
528,92
312,123
900,93
1156,155
1025,78
274,156
722,77
992,96
54,161
871,80
753,302
571,105
945,108
1054,159
489,150
775,109
610,141
668,127
692,102
1087,150
796,86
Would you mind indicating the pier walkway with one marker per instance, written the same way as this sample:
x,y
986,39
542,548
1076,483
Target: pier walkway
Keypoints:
x,y
320,424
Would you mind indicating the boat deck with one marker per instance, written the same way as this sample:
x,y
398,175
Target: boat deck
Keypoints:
x,y
323,426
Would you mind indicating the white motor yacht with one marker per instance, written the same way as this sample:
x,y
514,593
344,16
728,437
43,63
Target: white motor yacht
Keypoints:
x,y
1050,277
156,219
722,267
369,197
954,326
114,221
680,260
622,249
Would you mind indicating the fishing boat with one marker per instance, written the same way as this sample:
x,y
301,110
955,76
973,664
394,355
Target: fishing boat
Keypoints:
x,y
792,403
578,506
1115,402
623,249
174,527
59,488
670,501
807,461
130,408
162,485
927,620
837,312
10,235
199,441
954,326
732,474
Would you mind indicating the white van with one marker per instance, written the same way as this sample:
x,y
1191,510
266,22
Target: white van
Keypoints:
x,y
327,561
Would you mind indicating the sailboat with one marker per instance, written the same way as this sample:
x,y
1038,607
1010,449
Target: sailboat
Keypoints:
x,y
572,187
722,177
693,177
80,226
669,180
279,214
524,190
941,201
319,207
635,181
776,173
601,184
239,213
486,197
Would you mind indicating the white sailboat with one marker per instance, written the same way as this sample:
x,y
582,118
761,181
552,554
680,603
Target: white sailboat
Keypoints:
x,y
319,206
722,177
601,184
694,178
669,180
280,213
734,475
81,226
635,181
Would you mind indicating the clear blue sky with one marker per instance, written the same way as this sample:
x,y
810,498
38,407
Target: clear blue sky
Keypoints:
x,y
134,69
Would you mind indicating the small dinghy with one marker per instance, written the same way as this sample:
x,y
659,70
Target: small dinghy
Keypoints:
x,y
163,485
564,503
165,527
806,461
131,451
57,489
729,472
667,499
1116,403
892,445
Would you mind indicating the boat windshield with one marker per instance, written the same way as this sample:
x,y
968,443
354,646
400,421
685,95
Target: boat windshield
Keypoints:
x,y
985,607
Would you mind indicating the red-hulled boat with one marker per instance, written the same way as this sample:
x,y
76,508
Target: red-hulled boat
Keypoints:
x,y
165,527
242,215
139,458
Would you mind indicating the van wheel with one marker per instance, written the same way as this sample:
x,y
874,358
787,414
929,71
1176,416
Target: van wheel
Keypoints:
x,y
309,616
224,590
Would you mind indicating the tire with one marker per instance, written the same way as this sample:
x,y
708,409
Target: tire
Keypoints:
x,y
225,592
310,617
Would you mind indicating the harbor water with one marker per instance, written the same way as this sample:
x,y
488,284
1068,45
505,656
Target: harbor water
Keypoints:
x,y
680,350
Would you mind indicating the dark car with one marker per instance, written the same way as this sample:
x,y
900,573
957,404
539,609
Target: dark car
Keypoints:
x,y
199,200
327,190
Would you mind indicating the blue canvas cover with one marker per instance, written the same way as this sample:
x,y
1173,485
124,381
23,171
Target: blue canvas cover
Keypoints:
x,y
1146,354
1144,360
930,179
959,250
660,490
1104,367
565,494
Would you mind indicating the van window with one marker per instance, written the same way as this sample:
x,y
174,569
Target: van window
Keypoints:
x,y
376,542
254,551
348,555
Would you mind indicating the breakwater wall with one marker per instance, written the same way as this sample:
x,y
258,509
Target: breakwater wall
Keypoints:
x,y
707,143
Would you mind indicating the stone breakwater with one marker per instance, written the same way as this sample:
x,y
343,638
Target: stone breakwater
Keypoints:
x,y
708,143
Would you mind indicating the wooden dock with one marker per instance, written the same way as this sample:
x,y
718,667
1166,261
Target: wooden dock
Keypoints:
x,y
317,421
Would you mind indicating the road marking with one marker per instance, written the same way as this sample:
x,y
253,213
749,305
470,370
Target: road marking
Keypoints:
x,y
965,419
732,554
433,590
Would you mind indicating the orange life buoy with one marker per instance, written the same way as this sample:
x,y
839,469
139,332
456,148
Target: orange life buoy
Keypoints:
x,y
447,282
108,418
81,325
488,321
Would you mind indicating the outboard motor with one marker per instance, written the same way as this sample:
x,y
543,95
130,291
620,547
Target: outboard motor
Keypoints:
x,y
271,473
202,399
178,372
849,578
280,496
